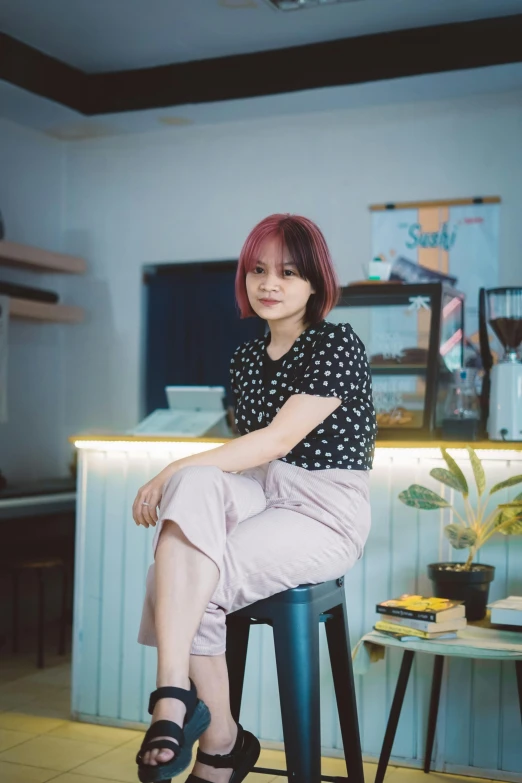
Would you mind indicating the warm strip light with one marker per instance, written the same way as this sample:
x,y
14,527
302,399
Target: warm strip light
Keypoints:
x,y
382,453
421,452
183,449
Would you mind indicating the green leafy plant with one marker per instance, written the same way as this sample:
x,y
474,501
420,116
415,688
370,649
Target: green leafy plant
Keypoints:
x,y
477,525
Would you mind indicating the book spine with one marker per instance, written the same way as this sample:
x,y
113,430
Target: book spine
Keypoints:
x,y
408,622
431,617
400,631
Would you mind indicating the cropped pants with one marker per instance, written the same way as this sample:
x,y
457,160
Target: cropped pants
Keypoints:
x,y
267,529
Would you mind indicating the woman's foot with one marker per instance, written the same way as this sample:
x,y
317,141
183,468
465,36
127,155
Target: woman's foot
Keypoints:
x,y
215,774
167,709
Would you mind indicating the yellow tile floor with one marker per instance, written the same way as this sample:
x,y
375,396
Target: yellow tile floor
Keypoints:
x,y
38,742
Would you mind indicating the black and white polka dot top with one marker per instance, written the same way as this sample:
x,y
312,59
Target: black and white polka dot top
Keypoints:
x,y
326,360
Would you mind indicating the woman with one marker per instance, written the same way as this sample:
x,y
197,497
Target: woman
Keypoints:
x,y
282,505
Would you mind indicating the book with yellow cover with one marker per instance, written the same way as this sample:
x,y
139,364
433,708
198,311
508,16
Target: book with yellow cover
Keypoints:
x,y
434,610
423,625
401,632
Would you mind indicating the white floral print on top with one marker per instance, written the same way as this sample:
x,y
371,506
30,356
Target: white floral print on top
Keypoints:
x,y
326,360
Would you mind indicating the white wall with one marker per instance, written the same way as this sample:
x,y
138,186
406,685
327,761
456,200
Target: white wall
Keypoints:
x,y
31,200
194,193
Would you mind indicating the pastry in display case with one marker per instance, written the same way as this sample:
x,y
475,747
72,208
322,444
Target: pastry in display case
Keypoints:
x,y
414,338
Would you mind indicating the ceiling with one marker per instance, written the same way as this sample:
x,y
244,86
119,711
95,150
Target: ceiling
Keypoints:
x,y
111,35
62,123
104,36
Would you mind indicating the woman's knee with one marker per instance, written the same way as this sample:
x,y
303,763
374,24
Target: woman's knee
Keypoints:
x,y
196,474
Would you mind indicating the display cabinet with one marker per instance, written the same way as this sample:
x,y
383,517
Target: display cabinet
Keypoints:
x,y
414,338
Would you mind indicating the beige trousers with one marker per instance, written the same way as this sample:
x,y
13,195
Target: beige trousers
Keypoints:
x,y
267,529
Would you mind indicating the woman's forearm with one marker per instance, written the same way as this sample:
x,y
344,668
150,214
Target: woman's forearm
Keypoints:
x,y
248,451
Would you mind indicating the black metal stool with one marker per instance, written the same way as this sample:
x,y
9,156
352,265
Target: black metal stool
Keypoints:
x,y
295,616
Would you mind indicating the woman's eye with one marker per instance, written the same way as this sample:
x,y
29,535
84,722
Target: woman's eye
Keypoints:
x,y
290,271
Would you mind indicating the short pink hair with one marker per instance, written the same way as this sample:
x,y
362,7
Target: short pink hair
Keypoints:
x,y
309,251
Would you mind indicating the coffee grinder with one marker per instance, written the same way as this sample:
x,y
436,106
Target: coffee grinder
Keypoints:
x,y
502,308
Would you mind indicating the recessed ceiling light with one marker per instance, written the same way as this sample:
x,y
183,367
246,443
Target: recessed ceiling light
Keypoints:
x,y
297,5
175,121
237,4
81,131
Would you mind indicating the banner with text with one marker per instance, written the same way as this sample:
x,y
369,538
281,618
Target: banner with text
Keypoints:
x,y
453,241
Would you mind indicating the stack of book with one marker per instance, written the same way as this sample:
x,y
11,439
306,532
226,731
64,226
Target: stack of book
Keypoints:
x,y
414,616
507,611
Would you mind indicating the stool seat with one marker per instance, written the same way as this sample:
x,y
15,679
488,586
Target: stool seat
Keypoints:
x,y
302,594
44,562
295,615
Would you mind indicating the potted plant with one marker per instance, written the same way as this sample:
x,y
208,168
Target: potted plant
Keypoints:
x,y
468,581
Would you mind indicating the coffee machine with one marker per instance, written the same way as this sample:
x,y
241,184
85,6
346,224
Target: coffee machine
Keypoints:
x,y
502,309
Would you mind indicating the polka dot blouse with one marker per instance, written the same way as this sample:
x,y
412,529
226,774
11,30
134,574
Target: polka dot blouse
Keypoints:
x,y
326,360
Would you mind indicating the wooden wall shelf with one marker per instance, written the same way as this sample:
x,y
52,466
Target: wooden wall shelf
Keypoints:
x,y
42,311
36,259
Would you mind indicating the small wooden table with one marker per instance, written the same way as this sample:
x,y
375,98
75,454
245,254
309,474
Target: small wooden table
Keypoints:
x,y
479,640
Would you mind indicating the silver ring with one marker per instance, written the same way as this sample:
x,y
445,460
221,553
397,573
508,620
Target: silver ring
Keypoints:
x,y
145,504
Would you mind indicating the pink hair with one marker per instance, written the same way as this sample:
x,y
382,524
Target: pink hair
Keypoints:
x,y
309,251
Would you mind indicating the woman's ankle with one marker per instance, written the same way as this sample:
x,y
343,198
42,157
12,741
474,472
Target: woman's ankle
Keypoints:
x,y
220,741
173,679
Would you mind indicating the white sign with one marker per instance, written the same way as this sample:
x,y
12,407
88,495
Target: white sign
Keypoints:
x,y
440,242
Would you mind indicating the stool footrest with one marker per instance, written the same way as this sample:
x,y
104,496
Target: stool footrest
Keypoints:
x,y
284,773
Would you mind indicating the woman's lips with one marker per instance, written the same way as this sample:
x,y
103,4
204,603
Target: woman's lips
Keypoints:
x,y
269,302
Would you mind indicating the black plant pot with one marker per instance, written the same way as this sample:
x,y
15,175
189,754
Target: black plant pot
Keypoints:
x,y
471,586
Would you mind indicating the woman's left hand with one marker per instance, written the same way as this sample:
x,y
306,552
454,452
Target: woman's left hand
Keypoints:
x,y
144,508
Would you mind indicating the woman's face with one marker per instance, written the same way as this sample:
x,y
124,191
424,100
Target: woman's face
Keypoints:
x,y
288,292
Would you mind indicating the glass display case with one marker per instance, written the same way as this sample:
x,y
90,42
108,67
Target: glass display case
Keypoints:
x,y
414,338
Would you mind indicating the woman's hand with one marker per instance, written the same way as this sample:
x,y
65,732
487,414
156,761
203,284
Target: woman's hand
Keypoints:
x,y
147,500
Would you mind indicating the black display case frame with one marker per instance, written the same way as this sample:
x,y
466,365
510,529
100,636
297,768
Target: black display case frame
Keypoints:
x,y
385,294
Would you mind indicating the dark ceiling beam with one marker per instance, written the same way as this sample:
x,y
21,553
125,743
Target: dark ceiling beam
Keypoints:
x,y
369,58
41,74
347,61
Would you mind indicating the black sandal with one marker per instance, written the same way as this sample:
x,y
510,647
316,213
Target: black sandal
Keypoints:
x,y
196,721
241,759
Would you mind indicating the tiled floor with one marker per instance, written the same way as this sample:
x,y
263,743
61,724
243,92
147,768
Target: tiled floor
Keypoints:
x,y
38,742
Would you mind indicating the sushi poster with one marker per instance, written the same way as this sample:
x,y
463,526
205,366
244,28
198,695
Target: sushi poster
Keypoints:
x,y
456,241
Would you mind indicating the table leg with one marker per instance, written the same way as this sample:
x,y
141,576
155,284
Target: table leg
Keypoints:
x,y
438,668
518,669
395,712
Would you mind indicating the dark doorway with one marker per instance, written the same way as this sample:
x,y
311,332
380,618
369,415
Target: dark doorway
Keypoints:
x,y
192,327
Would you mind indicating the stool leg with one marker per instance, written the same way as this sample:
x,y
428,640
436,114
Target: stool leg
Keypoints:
x,y
41,610
238,629
296,640
438,668
518,670
340,658
395,712
63,622
16,609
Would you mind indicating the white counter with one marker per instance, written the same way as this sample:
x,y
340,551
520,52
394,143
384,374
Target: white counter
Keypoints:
x,y
479,730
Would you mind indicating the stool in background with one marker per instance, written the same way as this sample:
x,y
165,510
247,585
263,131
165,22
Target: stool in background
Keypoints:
x,y
295,616
39,565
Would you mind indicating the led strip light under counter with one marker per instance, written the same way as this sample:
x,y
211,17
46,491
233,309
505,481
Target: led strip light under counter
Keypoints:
x,y
385,450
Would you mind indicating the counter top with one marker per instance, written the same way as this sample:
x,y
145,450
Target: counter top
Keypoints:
x,y
381,444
